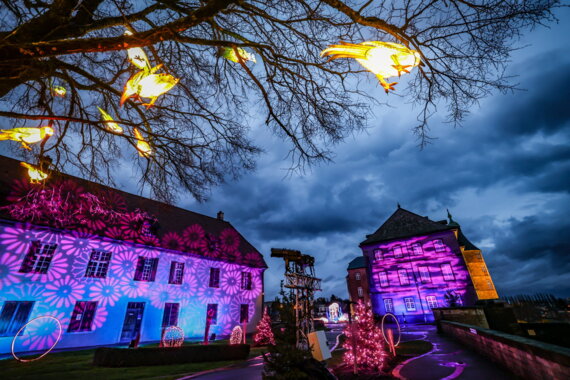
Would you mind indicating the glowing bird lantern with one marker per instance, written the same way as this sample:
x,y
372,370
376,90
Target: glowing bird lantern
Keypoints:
x,y
110,124
142,146
36,175
383,59
59,91
26,135
231,54
137,56
148,85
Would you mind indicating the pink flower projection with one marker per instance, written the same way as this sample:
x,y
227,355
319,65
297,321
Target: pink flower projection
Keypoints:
x,y
78,243
101,315
235,307
255,286
9,267
25,291
42,333
63,292
193,237
57,269
148,240
186,290
17,239
106,291
132,288
253,259
114,232
130,226
160,294
229,241
123,264
225,318
208,295
230,281
171,240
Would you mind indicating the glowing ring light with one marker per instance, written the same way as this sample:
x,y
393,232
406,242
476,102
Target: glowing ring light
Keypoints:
x,y
45,353
397,323
173,336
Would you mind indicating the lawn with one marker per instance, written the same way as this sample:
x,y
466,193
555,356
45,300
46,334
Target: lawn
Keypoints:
x,y
77,365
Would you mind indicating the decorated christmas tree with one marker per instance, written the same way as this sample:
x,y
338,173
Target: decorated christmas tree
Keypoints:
x,y
264,334
364,342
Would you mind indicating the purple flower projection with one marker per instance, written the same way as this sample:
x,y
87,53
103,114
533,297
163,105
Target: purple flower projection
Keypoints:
x,y
78,243
133,289
171,240
9,266
18,238
41,334
123,264
193,237
106,292
230,281
63,292
160,294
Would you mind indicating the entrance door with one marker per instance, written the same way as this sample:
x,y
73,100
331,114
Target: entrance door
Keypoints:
x,y
133,319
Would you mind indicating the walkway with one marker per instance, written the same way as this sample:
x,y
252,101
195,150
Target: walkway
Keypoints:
x,y
448,360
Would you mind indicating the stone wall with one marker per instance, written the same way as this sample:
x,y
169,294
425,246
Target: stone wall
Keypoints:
x,y
524,357
468,315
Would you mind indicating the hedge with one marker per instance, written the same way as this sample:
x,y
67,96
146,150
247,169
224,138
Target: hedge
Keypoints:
x,y
128,357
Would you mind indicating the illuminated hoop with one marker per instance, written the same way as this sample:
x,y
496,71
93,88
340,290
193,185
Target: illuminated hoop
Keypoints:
x,y
45,353
397,323
173,336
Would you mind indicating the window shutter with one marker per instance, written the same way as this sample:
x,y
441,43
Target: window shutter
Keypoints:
x,y
75,324
89,315
139,271
154,268
171,277
7,311
30,259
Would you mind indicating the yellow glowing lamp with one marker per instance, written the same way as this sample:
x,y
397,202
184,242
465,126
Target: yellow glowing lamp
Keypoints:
x,y
36,175
110,124
142,146
59,91
137,56
153,85
231,55
26,135
383,59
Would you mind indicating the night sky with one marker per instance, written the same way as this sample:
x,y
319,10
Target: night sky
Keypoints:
x,y
504,175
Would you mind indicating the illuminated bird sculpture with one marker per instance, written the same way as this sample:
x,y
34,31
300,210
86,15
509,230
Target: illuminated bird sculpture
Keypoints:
x,y
110,124
26,135
142,145
231,55
36,175
137,56
383,59
148,85
59,91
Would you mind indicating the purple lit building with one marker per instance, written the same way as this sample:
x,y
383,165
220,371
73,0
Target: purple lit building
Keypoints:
x,y
416,264
111,265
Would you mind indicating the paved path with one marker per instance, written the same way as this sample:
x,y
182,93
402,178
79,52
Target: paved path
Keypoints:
x,y
448,360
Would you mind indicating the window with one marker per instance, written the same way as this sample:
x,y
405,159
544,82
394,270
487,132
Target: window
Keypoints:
x,y
447,272
245,281
378,254
38,258
212,313
431,301
417,249
14,315
388,305
438,244
410,304
398,251
357,276
360,292
404,279
176,273
82,316
98,264
170,316
214,278
244,313
424,274
383,279
146,269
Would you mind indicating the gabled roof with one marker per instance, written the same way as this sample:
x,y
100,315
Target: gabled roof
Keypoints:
x,y
121,216
357,263
403,223
464,242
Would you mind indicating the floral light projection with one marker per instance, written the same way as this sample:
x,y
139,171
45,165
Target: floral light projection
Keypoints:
x,y
123,264
9,266
237,335
160,294
101,315
63,292
230,281
194,237
36,175
17,239
133,289
26,135
383,59
106,291
78,243
171,240
110,124
41,335
208,295
45,325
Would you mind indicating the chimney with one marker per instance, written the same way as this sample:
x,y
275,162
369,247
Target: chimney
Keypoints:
x,y
220,215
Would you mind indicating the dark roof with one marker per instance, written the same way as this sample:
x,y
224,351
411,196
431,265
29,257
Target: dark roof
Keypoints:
x,y
403,223
358,262
170,224
464,242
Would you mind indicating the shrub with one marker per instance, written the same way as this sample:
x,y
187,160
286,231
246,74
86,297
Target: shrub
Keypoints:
x,y
123,357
